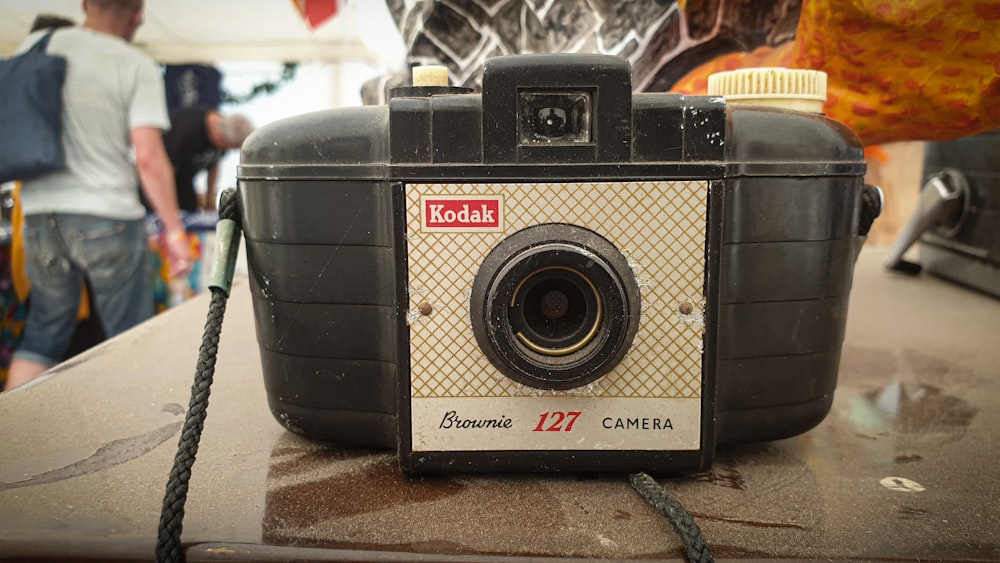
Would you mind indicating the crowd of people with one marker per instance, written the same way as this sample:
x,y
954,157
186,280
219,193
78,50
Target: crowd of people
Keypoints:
x,y
84,231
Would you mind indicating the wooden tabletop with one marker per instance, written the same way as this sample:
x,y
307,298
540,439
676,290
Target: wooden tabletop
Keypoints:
x,y
904,467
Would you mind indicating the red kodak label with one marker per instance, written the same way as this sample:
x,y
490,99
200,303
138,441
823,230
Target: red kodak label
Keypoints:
x,y
461,213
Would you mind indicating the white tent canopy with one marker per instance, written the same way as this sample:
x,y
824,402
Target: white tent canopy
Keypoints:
x,y
209,31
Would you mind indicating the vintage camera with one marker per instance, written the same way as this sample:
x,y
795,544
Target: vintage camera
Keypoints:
x,y
552,274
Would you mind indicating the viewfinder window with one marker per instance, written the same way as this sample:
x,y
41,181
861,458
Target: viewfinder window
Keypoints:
x,y
554,118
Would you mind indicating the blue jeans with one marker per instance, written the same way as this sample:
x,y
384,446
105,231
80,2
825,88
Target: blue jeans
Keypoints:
x,y
64,250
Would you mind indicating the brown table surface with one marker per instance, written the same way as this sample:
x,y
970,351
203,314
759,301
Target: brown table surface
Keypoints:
x,y
905,466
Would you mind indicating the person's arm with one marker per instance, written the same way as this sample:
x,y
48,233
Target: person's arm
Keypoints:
x,y
209,203
157,179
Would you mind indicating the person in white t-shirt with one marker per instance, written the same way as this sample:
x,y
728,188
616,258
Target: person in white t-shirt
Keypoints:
x,y
86,222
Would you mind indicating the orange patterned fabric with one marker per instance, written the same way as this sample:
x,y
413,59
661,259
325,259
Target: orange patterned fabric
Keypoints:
x,y
897,69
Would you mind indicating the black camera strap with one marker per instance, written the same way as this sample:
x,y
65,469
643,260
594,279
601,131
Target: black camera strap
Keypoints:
x,y
168,543
670,508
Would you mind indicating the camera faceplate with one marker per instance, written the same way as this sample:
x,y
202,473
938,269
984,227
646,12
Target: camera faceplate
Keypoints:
x,y
651,400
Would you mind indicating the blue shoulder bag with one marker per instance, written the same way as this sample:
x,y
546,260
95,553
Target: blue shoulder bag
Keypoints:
x,y
31,113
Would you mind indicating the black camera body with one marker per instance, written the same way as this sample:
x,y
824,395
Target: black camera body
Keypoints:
x,y
553,275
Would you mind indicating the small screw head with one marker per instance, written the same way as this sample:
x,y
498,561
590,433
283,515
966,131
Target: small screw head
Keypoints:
x,y
685,308
425,308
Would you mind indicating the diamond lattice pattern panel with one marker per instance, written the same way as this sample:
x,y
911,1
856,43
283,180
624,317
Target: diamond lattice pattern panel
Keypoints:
x,y
658,226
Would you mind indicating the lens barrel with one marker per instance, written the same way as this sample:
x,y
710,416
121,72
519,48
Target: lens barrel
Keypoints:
x,y
555,306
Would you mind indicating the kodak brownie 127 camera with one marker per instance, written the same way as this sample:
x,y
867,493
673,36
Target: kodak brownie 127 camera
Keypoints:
x,y
554,273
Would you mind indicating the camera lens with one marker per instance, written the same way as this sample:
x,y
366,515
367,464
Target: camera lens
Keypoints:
x,y
555,311
555,306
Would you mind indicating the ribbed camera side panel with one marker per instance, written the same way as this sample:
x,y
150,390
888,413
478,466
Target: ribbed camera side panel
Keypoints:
x,y
322,259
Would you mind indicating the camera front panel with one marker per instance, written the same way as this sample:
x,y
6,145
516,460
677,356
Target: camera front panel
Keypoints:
x,y
555,318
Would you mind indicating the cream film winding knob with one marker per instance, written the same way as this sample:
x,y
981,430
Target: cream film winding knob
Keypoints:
x,y
785,88
430,75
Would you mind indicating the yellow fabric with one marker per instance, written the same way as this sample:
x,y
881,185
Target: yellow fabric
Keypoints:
x,y
900,70
19,277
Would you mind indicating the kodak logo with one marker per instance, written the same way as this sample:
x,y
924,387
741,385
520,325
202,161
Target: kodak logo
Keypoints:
x,y
461,214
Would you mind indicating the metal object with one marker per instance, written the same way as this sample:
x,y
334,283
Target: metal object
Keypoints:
x,y
943,201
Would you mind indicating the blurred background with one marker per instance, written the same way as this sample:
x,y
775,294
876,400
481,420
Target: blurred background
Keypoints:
x,y
269,59
902,75
261,58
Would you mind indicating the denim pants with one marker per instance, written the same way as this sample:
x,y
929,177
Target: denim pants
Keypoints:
x,y
64,250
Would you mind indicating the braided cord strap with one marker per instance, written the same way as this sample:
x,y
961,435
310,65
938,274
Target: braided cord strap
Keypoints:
x,y
694,542
168,543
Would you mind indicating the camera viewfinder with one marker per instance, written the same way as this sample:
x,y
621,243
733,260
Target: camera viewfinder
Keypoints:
x,y
554,118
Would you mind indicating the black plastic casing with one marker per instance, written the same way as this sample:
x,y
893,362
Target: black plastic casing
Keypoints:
x,y
321,197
